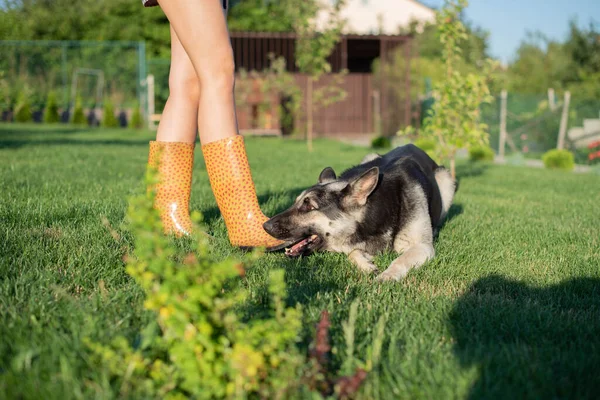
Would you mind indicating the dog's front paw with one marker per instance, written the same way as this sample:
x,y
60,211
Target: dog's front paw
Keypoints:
x,y
368,268
391,275
363,261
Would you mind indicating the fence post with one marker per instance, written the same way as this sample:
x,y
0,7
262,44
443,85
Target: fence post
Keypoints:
x,y
551,99
65,76
150,93
502,144
564,119
142,78
377,112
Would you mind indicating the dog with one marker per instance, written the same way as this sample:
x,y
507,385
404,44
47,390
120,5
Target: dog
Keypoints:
x,y
392,202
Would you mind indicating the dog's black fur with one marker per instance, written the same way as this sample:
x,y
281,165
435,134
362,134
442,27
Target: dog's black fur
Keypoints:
x,y
399,169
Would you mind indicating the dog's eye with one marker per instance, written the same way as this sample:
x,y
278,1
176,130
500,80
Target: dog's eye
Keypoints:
x,y
307,205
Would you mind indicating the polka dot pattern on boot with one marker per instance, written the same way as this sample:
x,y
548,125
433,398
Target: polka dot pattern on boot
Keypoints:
x,y
231,182
175,184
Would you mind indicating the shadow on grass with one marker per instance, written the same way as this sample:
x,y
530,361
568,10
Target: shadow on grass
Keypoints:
x,y
301,274
529,342
304,279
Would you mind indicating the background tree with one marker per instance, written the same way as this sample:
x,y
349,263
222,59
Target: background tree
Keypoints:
x,y
454,122
540,64
136,122
108,115
424,63
474,47
583,46
78,117
314,44
85,20
51,110
259,16
573,64
23,108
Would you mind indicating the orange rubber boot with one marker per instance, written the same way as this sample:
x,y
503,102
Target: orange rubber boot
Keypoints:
x,y
232,185
175,184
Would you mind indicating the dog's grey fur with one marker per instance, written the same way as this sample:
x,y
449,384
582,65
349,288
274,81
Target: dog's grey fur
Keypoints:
x,y
392,202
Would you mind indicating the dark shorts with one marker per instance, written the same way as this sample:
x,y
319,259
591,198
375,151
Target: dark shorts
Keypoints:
x,y
152,3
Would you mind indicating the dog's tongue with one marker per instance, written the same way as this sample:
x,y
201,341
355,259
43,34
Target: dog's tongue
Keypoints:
x,y
297,249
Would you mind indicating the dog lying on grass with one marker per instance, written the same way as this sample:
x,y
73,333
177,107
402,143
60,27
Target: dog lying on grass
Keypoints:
x,y
395,201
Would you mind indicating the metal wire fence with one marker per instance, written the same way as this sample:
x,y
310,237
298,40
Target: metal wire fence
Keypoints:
x,y
159,69
93,72
116,71
533,122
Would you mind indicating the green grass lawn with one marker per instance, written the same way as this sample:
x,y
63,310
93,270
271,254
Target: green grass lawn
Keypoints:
x,y
509,308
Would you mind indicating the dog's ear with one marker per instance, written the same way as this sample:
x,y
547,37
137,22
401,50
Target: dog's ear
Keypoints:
x,y
327,175
363,186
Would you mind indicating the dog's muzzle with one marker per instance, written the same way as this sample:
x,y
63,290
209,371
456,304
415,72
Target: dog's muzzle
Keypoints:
x,y
295,247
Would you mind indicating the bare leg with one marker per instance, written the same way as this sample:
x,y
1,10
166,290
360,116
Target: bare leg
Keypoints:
x,y
201,27
173,150
179,120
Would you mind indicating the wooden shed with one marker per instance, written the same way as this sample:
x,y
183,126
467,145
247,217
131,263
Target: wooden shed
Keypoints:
x,y
367,96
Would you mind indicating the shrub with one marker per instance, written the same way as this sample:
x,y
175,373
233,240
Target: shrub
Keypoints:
x,y
108,118
136,118
198,346
425,144
51,110
78,117
481,153
559,159
381,142
23,109
429,146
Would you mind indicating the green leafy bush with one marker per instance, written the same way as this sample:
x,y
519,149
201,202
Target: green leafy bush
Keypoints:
x,y
199,347
51,110
108,118
136,118
381,142
429,146
23,109
559,159
481,153
78,117
425,144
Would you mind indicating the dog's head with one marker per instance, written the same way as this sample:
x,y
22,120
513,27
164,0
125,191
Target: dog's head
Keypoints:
x,y
323,214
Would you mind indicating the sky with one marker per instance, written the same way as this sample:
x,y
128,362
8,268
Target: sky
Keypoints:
x,y
508,21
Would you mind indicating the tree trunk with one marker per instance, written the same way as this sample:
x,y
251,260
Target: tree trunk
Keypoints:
x,y
309,114
453,168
